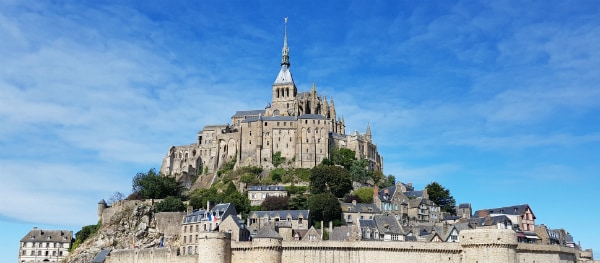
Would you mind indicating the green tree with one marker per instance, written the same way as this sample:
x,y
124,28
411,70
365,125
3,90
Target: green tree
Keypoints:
x,y
365,194
442,197
154,186
298,203
344,157
276,174
324,207
332,179
83,234
272,203
170,204
278,159
359,172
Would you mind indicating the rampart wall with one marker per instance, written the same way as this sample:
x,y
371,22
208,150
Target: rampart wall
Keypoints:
x,y
480,245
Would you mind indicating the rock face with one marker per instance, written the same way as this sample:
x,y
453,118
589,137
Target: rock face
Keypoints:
x,y
132,224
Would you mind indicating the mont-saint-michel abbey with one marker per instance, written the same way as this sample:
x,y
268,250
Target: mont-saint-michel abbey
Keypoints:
x,y
303,126
397,224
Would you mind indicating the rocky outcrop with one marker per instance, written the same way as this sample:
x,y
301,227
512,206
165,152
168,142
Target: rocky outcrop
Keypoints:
x,y
131,225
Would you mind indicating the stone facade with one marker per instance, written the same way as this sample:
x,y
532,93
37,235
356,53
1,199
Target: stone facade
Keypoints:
x,y
258,193
479,245
303,126
41,245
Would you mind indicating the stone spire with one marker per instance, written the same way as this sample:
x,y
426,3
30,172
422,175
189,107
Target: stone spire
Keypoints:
x,y
285,76
285,51
368,133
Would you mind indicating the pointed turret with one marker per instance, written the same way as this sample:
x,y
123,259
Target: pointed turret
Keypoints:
x,y
285,51
368,133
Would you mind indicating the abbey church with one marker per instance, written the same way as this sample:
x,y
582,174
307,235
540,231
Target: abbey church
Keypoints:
x,y
302,126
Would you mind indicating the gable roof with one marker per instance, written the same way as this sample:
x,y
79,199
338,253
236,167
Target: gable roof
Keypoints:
x,y
37,235
360,207
388,225
507,210
221,211
267,232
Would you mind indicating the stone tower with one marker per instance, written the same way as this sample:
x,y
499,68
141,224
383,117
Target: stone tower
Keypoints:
x,y
101,207
215,246
489,245
284,90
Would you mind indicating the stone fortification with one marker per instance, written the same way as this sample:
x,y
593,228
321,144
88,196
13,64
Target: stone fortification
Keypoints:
x,y
478,245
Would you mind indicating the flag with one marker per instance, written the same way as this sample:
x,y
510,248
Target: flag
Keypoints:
x,y
210,217
215,219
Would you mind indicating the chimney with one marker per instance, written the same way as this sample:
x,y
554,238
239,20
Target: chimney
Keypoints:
x,y
375,191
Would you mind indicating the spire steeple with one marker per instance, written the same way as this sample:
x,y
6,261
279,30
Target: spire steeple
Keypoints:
x,y
285,51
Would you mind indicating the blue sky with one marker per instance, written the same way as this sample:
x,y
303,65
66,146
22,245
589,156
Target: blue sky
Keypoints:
x,y
498,101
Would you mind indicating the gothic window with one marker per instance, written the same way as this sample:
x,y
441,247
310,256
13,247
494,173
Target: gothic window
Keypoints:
x,y
267,142
290,139
287,92
308,130
250,133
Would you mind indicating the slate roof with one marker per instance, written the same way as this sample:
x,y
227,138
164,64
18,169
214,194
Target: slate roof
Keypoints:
x,y
269,118
387,198
414,194
247,113
360,207
280,213
387,224
370,223
39,235
221,211
284,76
101,256
464,205
312,116
267,232
340,233
508,210
489,220
266,188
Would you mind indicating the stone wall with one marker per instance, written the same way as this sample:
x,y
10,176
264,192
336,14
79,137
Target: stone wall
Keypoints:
x,y
480,245
150,255
169,223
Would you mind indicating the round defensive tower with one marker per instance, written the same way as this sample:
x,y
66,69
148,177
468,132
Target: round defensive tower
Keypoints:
x,y
214,246
101,207
266,246
489,245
